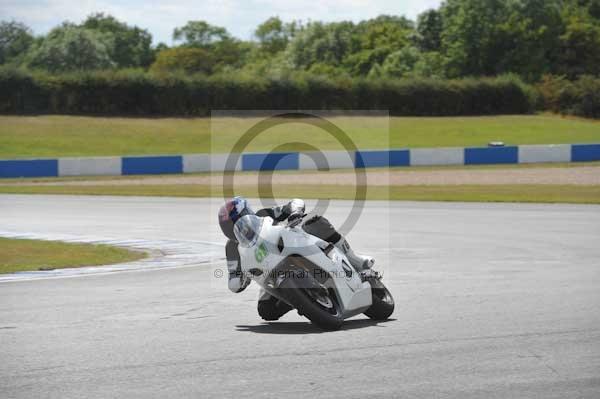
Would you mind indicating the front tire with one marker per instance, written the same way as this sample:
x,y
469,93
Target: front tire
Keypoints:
x,y
383,302
321,309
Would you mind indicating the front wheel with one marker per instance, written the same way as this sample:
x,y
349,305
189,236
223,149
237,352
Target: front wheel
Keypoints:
x,y
320,306
383,302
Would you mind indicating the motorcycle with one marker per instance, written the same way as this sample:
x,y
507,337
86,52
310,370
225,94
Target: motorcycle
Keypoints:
x,y
309,274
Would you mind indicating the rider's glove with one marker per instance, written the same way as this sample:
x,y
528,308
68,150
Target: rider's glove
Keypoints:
x,y
295,216
294,206
238,281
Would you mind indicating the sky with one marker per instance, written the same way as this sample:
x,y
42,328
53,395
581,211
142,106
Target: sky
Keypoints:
x,y
239,17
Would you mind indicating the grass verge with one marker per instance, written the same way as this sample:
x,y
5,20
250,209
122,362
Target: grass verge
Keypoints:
x,y
26,255
577,194
60,135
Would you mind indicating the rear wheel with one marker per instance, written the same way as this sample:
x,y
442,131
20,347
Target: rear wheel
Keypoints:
x,y
383,302
319,305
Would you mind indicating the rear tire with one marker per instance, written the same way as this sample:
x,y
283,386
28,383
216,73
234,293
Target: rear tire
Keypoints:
x,y
327,319
383,302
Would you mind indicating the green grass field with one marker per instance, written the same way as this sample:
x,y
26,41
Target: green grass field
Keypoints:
x,y
577,194
50,136
26,255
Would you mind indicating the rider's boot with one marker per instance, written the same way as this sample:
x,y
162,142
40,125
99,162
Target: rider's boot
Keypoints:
x,y
359,262
270,308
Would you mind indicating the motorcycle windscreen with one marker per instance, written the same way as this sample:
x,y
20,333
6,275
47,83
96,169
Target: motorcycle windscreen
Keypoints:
x,y
247,230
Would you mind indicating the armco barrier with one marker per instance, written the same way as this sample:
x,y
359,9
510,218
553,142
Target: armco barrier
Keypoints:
x,y
297,161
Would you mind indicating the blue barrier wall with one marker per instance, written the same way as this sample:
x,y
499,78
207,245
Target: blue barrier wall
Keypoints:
x,y
152,165
29,168
271,161
291,160
585,152
381,158
491,155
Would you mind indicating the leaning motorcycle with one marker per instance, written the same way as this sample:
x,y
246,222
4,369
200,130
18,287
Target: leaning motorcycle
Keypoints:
x,y
309,274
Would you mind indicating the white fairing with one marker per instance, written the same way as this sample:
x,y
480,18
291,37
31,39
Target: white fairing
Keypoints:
x,y
353,294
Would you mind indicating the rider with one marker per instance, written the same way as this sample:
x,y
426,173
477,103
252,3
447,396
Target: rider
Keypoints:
x,y
269,307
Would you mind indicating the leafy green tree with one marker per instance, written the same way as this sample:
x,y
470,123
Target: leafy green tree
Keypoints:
x,y
361,62
410,62
344,46
160,47
430,65
230,53
322,43
376,72
594,9
401,62
527,40
15,40
384,31
276,66
157,49
226,51
200,34
491,37
72,48
274,35
579,48
429,30
581,8
327,70
184,59
470,35
377,38
131,45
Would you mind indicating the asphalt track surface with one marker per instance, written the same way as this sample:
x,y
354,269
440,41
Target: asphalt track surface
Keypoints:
x,y
493,301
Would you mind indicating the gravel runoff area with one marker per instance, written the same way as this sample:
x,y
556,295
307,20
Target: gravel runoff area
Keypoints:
x,y
584,175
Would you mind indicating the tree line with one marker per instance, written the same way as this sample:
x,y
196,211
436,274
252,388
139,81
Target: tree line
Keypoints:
x,y
461,38
552,44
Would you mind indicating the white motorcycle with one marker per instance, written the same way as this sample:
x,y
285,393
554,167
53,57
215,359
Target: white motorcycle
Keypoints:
x,y
309,274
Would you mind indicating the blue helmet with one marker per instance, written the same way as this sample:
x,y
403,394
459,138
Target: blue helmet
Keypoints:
x,y
230,212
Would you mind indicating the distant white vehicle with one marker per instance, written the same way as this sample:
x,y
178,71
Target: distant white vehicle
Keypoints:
x,y
309,274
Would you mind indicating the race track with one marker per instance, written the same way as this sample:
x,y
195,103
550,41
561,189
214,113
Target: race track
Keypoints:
x,y
492,301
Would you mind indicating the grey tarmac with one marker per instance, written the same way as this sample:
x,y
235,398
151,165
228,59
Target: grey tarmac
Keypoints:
x,y
492,301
